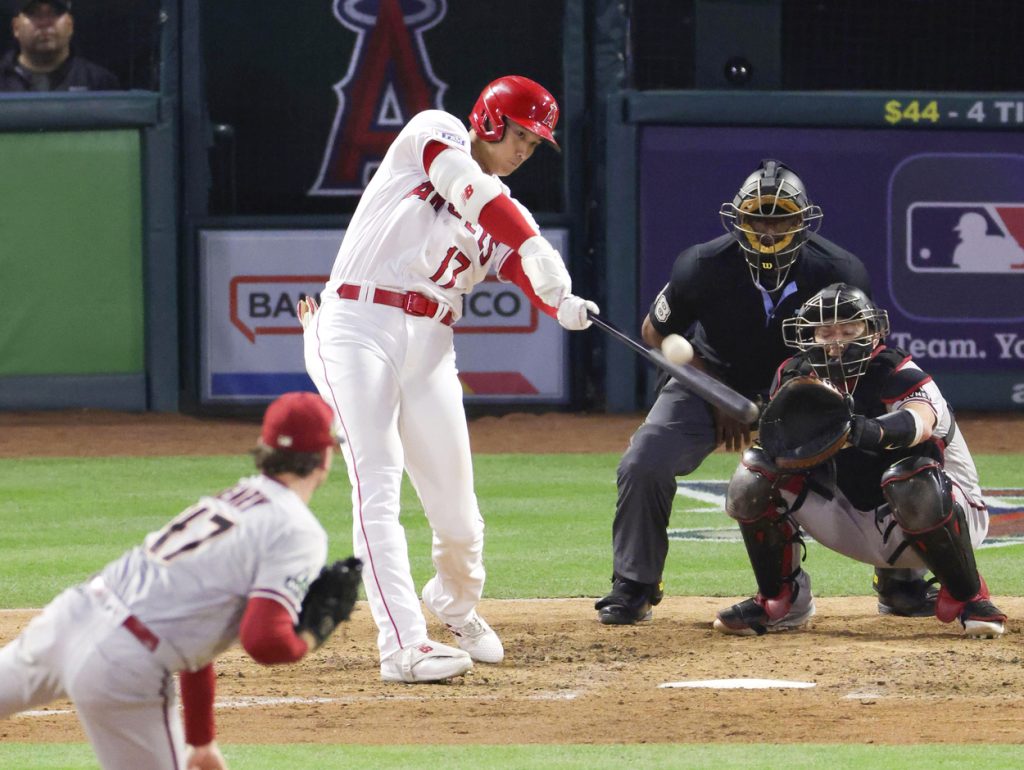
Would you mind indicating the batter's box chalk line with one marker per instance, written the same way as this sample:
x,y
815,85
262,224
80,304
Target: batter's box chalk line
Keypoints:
x,y
739,684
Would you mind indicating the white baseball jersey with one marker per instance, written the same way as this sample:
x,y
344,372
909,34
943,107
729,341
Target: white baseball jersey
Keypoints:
x,y
112,644
405,236
189,581
392,381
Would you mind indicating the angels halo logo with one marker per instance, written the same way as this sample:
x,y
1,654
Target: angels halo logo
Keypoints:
x,y
389,80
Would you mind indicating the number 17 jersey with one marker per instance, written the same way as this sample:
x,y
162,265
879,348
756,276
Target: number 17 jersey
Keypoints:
x,y
189,582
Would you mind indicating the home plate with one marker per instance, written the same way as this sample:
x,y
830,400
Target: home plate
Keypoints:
x,y
739,684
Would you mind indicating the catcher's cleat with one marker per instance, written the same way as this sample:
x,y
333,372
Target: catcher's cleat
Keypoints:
x,y
757,616
629,602
914,598
427,661
979,617
477,638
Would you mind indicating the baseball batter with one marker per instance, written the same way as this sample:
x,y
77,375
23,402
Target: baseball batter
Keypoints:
x,y
234,565
904,492
434,220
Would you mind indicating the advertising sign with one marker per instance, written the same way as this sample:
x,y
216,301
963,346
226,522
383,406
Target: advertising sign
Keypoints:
x,y
937,217
251,343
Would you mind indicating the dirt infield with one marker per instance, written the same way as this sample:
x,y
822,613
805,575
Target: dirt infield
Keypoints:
x,y
568,679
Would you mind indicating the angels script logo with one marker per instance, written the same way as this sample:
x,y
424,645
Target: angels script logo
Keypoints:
x,y
389,80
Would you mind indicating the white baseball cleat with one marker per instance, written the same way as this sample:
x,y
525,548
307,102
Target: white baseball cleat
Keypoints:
x,y
477,638
474,635
427,661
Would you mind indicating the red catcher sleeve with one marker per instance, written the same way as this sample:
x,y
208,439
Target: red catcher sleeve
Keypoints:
x,y
512,270
197,688
267,633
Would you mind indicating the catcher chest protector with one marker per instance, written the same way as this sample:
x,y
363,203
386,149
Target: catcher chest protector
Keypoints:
x,y
921,498
519,99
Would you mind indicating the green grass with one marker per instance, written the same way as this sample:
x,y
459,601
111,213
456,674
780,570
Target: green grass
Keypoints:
x,y
548,525
564,757
548,535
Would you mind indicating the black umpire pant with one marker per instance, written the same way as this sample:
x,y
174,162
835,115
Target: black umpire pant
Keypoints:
x,y
677,435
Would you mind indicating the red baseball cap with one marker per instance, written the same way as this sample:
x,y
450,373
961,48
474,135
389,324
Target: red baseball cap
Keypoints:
x,y
299,422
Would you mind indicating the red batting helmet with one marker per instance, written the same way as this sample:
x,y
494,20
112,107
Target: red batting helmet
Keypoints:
x,y
519,99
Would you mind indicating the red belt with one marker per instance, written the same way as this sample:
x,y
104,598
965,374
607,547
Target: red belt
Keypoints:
x,y
140,631
412,302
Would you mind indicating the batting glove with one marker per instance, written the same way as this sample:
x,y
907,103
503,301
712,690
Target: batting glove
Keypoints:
x,y
573,313
305,310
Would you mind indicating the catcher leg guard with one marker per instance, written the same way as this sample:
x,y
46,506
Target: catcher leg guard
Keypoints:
x,y
758,616
629,602
921,499
754,487
772,540
903,593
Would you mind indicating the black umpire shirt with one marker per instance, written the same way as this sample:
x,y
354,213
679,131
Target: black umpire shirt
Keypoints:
x,y
75,74
735,326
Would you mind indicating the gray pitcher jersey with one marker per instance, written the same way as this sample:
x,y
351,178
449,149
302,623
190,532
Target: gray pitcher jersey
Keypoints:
x,y
189,581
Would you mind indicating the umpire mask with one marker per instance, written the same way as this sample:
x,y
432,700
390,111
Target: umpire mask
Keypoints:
x,y
770,218
837,330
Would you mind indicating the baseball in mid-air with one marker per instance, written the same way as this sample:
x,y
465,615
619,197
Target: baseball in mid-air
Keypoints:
x,y
677,349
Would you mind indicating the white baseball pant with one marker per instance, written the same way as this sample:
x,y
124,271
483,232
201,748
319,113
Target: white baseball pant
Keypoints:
x,y
392,381
125,694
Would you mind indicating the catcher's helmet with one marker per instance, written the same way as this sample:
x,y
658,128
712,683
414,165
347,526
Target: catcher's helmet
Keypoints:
x,y
770,218
518,99
839,354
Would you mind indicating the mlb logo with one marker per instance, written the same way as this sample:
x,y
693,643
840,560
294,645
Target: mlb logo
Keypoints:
x,y
956,227
965,237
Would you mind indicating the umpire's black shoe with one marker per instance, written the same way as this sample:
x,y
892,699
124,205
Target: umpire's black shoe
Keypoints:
x,y
913,598
629,602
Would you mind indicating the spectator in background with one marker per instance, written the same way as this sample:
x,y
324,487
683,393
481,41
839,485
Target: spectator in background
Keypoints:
x,y
43,60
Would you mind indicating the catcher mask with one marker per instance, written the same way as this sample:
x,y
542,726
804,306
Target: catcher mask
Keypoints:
x,y
770,218
838,330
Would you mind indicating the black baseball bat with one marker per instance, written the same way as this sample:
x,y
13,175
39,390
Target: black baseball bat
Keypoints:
x,y
711,390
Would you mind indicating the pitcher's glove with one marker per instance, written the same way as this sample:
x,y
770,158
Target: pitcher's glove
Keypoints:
x,y
805,424
330,599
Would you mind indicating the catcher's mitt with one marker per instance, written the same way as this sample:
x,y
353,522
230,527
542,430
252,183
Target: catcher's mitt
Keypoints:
x,y
805,424
330,599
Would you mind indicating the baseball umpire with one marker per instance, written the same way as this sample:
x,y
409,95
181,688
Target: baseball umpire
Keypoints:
x,y
729,296
245,564
858,448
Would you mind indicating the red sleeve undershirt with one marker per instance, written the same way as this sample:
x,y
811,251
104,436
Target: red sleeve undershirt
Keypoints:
x,y
268,635
506,224
512,270
197,689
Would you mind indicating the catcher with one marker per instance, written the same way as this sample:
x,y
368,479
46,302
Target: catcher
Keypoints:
x,y
858,448
245,564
